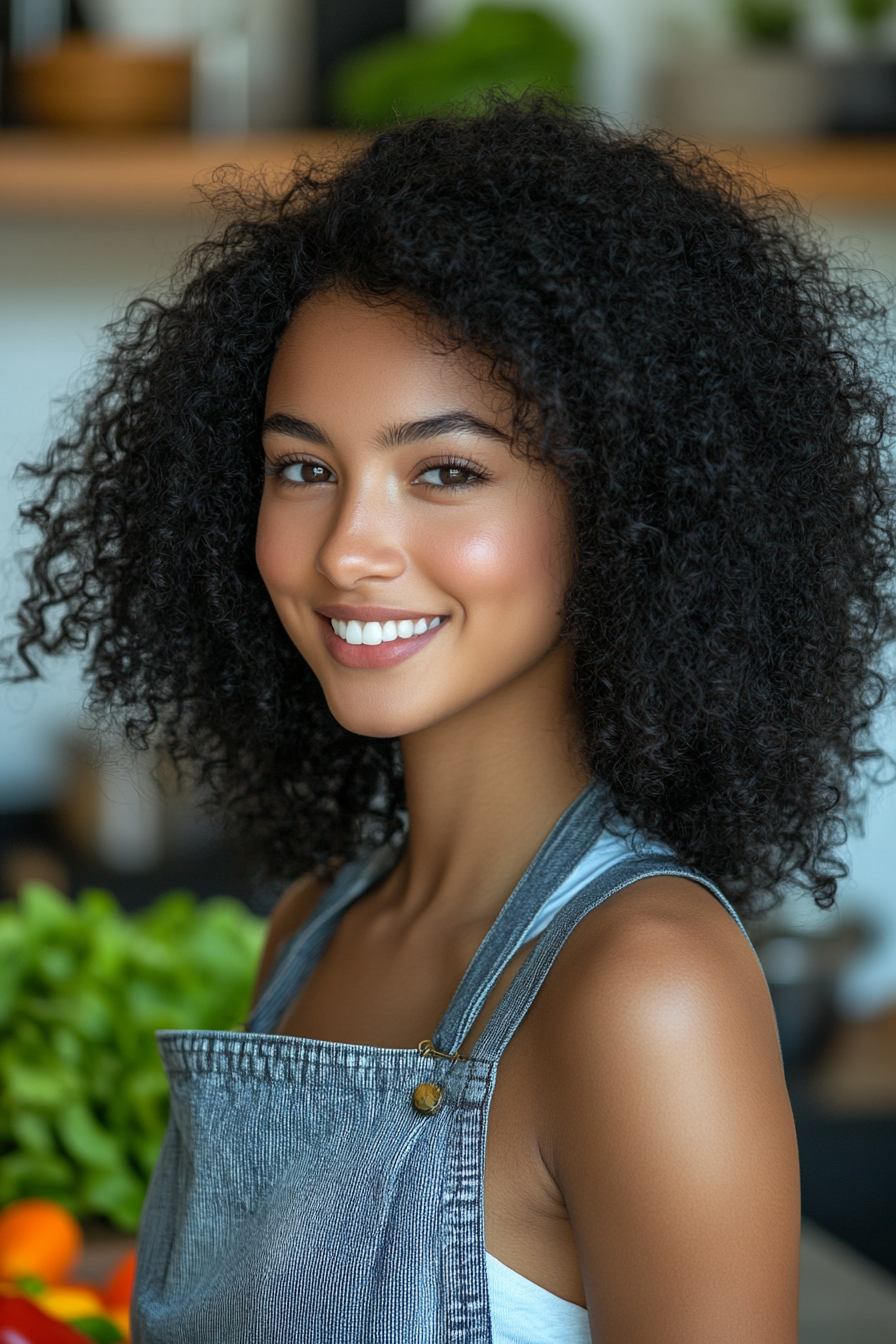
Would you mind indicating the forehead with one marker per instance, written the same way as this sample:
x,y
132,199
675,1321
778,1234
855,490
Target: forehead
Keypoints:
x,y
343,357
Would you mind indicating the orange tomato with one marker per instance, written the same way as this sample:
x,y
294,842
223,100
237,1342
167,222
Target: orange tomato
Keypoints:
x,y
120,1283
38,1239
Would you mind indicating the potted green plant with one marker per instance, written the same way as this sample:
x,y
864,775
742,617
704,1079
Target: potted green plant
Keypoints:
x,y
409,74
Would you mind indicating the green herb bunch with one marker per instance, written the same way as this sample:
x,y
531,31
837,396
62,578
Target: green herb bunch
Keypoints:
x,y
411,73
767,23
83,988
868,15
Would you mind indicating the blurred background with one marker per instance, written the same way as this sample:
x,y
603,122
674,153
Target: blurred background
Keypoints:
x,y
111,111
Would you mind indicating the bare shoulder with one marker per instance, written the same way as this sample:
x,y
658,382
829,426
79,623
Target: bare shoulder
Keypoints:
x,y
659,989
665,1121
658,985
660,956
290,912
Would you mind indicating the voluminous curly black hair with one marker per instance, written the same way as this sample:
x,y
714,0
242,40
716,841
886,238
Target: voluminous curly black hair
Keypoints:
x,y
685,356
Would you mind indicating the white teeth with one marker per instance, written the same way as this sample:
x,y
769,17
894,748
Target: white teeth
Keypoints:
x,y
376,632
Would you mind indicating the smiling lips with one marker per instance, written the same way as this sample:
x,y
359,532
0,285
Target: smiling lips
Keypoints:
x,y
371,644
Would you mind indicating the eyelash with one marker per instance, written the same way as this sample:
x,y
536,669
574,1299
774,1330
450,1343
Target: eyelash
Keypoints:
x,y
278,469
479,474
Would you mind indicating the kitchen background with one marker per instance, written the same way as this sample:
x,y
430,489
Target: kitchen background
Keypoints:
x,y
111,109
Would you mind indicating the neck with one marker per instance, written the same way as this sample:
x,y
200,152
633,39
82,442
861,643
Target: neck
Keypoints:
x,y
485,788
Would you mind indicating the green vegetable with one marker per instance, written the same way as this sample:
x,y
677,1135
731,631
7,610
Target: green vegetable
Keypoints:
x,y
411,74
97,1328
767,23
83,988
868,14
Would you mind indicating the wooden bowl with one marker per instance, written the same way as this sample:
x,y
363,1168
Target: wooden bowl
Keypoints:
x,y
88,85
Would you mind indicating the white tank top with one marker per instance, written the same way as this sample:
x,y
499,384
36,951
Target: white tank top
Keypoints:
x,y
522,1312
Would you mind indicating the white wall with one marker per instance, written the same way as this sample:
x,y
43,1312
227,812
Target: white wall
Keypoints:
x,y
59,283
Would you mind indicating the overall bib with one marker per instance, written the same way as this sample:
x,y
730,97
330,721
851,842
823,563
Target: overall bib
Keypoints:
x,y
302,1196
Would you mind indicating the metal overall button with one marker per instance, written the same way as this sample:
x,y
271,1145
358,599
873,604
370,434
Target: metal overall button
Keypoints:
x,y
427,1097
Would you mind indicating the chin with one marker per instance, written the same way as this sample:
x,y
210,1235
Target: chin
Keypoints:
x,y
370,721
391,716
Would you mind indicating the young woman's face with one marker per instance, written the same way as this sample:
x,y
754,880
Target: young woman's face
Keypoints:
x,y
417,563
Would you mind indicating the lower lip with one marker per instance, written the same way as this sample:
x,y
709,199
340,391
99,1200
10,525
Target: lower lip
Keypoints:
x,y
375,655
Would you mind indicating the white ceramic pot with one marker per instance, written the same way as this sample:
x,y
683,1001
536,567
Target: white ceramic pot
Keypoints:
x,y
746,94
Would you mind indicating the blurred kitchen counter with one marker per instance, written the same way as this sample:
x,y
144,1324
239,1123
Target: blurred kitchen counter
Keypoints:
x,y
45,175
844,1298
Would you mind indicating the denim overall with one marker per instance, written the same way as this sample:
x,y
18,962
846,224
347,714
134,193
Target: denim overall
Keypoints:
x,y
301,1197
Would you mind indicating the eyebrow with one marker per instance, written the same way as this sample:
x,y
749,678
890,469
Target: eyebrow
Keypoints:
x,y
452,422
393,436
295,428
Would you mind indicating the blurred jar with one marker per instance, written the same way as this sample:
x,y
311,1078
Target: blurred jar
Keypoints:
x,y
863,83
252,59
863,95
89,85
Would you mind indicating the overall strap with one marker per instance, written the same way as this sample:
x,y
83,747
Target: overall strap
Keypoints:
x,y
298,956
531,975
567,843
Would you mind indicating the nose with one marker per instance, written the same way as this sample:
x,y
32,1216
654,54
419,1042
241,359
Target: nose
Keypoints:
x,y
363,541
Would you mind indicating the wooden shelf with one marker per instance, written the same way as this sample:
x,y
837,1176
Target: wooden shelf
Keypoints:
x,y
48,176
54,176
850,172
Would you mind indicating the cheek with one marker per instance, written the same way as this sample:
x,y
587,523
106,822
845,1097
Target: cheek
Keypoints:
x,y
281,548
517,562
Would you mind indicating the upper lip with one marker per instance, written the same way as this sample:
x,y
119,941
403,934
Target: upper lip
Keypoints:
x,y
339,611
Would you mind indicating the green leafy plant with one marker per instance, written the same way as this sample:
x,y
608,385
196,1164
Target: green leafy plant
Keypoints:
x,y
867,14
767,23
83,988
411,74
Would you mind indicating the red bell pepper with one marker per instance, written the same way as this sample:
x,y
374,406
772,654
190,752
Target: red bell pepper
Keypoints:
x,y
21,1322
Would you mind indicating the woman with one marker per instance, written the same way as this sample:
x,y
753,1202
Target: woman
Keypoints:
x,y
502,511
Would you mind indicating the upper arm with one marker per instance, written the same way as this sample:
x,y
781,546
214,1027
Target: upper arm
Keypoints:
x,y
671,1136
291,910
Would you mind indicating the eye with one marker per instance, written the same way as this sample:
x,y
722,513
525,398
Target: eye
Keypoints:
x,y
307,473
448,474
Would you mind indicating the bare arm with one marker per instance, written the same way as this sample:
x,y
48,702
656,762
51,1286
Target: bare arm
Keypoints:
x,y
669,1127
